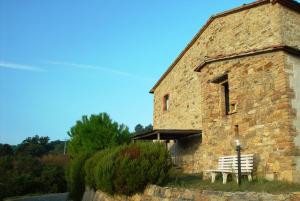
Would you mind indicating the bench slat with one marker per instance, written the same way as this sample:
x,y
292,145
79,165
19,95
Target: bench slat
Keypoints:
x,y
230,163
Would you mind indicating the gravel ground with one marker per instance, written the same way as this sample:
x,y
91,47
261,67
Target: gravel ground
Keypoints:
x,y
48,197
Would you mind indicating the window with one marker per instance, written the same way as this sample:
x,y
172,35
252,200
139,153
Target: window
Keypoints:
x,y
226,96
223,81
166,102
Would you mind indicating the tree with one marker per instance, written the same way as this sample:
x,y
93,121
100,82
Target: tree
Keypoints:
x,y
6,150
149,127
37,140
57,147
141,129
138,128
35,146
33,169
95,133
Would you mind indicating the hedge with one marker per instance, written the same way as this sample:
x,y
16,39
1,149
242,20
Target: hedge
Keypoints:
x,y
138,165
75,177
123,169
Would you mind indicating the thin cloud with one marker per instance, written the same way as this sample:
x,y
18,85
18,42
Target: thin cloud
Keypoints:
x,y
93,67
16,66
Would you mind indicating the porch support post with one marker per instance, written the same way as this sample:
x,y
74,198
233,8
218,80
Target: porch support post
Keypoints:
x,y
158,137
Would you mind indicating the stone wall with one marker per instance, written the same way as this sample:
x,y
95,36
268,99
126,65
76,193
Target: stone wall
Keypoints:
x,y
156,193
185,153
246,30
290,27
259,86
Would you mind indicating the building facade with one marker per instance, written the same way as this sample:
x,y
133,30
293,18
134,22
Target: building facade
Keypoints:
x,y
239,78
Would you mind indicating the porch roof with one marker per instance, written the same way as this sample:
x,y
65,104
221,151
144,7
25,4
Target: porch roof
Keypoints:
x,y
166,134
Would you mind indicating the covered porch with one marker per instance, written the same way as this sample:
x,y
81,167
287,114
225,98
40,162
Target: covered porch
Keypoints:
x,y
166,134
178,141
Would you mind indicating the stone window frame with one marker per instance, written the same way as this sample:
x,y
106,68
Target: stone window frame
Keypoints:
x,y
166,102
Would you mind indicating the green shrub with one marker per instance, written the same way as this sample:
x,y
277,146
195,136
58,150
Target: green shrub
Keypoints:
x,y
87,136
104,170
89,169
97,168
75,177
52,179
157,160
140,164
128,169
129,176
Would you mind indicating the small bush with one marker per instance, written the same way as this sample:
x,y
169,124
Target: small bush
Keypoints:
x,y
75,177
128,169
89,169
136,166
98,169
105,169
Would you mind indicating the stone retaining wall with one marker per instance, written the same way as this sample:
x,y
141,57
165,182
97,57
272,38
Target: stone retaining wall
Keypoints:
x,y
156,193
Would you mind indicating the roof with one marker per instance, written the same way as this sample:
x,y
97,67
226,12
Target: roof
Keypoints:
x,y
285,48
288,3
166,134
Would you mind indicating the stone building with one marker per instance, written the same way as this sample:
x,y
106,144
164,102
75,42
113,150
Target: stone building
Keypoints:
x,y
239,78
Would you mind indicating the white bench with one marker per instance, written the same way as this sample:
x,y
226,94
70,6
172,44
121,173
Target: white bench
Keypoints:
x,y
229,165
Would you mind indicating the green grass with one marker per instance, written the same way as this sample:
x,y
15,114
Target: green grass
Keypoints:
x,y
257,185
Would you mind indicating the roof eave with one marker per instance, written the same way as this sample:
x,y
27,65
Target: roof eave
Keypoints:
x,y
288,49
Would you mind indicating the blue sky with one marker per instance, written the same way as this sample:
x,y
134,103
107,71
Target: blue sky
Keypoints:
x,y
60,60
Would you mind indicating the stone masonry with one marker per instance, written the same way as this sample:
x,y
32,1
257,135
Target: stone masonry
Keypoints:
x,y
264,90
156,193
